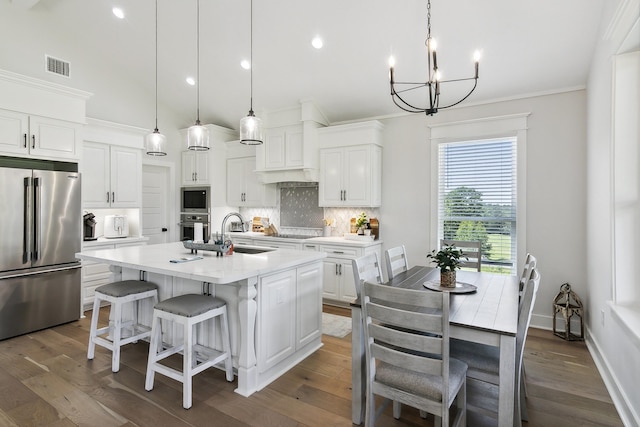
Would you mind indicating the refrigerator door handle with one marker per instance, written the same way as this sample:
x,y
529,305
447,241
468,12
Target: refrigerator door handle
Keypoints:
x,y
36,218
26,228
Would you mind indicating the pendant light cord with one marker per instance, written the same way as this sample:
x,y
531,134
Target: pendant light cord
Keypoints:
x,y
156,129
251,60
198,65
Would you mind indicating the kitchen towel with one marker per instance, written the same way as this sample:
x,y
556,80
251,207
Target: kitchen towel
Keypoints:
x,y
198,233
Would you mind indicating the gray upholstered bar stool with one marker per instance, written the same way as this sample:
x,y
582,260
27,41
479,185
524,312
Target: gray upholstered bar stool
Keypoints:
x,y
188,310
119,333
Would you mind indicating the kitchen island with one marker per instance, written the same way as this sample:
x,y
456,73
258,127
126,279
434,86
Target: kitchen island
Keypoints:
x,y
274,300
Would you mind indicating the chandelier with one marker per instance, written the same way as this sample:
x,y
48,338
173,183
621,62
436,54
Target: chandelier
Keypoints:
x,y
399,89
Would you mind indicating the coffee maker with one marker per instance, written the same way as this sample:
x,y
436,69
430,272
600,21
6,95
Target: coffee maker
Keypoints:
x,y
89,226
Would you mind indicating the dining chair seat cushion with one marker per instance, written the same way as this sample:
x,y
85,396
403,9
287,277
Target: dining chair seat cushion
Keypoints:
x,y
125,287
190,305
478,357
422,384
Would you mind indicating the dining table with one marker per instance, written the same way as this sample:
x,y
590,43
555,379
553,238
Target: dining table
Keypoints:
x,y
483,309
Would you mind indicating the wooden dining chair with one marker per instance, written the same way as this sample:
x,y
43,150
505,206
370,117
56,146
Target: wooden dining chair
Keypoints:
x,y
366,268
407,353
396,261
471,250
484,361
530,262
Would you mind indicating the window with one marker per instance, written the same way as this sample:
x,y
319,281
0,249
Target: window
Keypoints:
x,y
477,198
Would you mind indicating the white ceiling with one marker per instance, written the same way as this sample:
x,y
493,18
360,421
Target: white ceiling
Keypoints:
x,y
528,47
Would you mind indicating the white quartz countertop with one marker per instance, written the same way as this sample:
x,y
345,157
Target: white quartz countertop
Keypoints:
x,y
333,240
211,268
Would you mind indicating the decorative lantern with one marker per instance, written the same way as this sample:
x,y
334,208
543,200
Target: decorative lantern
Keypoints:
x,y
568,303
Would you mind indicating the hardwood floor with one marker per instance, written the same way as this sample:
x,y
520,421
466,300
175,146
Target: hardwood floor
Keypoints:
x,y
46,380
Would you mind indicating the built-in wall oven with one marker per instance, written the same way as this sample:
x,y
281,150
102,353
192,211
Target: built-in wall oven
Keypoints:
x,y
187,225
195,200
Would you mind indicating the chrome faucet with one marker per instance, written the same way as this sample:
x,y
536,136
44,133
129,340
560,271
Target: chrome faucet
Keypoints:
x,y
224,223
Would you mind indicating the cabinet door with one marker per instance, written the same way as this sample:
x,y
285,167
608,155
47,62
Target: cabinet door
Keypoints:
x,y
308,304
331,279
357,174
188,168
14,130
54,138
277,310
96,190
274,149
252,187
202,167
330,188
126,173
347,283
294,149
235,182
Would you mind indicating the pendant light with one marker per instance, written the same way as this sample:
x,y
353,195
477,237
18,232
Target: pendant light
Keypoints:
x,y
154,142
198,135
251,126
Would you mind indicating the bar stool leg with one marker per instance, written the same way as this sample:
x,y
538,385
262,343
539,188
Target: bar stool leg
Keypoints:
x,y
117,337
94,327
187,362
154,349
226,345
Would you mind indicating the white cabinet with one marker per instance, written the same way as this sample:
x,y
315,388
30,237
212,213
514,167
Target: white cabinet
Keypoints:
x,y
338,285
350,165
283,148
111,176
243,187
95,274
29,135
195,167
290,313
350,176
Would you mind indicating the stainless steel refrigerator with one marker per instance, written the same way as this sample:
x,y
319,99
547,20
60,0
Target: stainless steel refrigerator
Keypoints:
x,y
40,232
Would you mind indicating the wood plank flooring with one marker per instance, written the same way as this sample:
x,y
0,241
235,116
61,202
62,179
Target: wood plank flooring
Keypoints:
x,y
46,380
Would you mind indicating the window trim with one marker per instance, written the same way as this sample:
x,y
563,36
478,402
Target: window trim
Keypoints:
x,y
514,125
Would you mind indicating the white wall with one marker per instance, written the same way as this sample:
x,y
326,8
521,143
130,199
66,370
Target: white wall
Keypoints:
x,y
614,346
556,190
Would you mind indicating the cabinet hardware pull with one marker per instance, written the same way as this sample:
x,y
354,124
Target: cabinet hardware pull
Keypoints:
x,y
336,269
196,174
107,197
338,252
33,141
341,269
345,195
113,197
25,140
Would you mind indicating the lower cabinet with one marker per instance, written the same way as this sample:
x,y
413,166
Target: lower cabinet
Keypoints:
x,y
95,274
290,313
339,286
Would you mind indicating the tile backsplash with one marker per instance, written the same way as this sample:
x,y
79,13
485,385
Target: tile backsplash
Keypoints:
x,y
340,217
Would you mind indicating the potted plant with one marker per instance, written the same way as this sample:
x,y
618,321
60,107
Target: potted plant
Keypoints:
x,y
447,260
361,222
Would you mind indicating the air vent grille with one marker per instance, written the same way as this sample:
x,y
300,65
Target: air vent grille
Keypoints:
x,y
57,66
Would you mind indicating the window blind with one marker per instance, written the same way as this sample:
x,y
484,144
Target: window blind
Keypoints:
x,y
477,198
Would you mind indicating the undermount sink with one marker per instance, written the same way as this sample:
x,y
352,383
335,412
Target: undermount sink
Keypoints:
x,y
251,249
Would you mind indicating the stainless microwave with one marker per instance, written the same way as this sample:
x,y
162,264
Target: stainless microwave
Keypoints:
x,y
195,199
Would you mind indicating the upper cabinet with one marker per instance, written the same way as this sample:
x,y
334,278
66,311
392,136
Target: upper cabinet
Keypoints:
x,y
40,119
290,148
111,165
111,176
244,189
350,165
195,167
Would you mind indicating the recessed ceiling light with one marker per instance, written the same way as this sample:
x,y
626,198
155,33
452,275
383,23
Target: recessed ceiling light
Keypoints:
x,y
191,81
118,12
245,64
317,42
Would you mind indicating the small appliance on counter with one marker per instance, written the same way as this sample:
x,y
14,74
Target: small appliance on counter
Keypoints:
x,y
238,227
116,226
89,229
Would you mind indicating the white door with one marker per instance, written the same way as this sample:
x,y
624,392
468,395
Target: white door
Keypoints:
x,y
155,203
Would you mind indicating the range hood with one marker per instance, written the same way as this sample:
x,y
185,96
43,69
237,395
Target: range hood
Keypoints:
x,y
290,175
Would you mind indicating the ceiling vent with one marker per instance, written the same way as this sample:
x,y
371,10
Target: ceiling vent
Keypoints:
x,y
57,66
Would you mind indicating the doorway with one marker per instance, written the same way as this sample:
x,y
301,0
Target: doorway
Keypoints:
x,y
156,203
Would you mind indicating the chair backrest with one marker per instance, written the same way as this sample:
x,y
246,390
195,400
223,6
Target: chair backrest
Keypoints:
x,y
530,263
366,268
524,317
408,329
470,249
396,259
